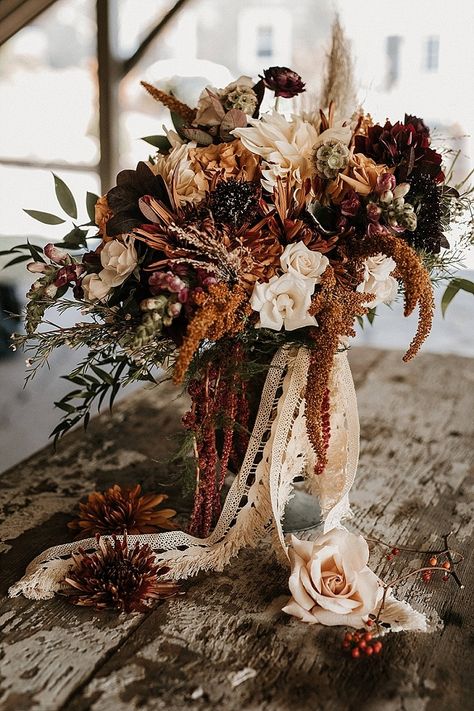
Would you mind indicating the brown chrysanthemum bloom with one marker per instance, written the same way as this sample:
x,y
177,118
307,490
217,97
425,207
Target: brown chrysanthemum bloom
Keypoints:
x,y
228,160
118,509
117,577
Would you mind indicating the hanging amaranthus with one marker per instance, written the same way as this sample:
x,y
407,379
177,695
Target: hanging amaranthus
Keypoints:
x,y
217,398
336,309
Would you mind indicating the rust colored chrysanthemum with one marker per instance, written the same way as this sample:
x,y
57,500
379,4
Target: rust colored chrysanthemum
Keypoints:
x,y
118,509
117,576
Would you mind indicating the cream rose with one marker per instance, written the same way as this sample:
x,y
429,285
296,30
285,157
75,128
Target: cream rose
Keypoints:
x,y
298,258
330,582
284,302
378,280
119,259
94,288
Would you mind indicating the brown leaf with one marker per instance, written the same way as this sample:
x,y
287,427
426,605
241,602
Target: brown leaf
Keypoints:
x,y
233,119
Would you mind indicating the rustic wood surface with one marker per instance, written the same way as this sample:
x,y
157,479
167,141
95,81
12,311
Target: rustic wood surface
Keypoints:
x,y
225,644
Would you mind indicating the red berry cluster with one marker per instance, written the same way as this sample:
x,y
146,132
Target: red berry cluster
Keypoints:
x,y
361,643
393,553
434,562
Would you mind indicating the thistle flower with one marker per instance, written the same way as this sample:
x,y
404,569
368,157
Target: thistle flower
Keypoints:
x,y
331,158
118,509
118,577
283,81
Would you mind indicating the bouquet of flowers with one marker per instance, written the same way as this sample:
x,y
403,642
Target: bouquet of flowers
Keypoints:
x,y
249,244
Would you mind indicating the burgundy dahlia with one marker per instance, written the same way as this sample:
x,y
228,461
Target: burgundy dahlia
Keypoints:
x,y
404,146
283,81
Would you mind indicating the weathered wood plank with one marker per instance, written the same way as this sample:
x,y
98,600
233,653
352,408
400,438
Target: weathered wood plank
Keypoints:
x,y
50,648
413,483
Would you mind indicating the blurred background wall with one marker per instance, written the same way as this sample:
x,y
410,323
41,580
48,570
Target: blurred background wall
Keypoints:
x,y
71,102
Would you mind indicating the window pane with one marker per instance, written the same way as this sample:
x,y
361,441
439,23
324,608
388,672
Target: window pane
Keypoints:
x,y
48,82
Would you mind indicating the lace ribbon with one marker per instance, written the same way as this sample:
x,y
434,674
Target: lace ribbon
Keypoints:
x,y
278,451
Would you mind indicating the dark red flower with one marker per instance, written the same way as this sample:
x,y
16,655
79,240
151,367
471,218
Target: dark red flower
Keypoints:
x,y
283,81
117,576
404,146
69,273
350,206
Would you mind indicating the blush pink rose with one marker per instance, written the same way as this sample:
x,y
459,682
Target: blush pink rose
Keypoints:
x,y
330,581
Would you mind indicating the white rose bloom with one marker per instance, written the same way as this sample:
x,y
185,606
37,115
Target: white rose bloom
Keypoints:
x,y
285,146
298,258
284,302
378,280
119,259
94,288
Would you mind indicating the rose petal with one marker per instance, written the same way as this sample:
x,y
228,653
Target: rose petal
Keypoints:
x,y
292,608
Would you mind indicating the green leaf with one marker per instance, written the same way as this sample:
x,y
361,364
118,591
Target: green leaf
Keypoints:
x,y
360,321
371,315
464,285
75,239
70,409
448,296
178,122
65,197
17,260
45,217
455,285
102,374
91,200
36,253
160,142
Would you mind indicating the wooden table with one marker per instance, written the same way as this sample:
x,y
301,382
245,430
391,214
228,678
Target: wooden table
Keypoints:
x,y
412,487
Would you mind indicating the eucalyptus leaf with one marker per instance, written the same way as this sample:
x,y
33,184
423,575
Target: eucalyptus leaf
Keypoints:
x,y
160,142
75,239
45,217
91,200
449,294
464,285
18,260
65,197
371,315
178,122
455,285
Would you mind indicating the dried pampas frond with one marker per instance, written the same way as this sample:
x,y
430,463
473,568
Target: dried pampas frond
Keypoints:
x,y
339,85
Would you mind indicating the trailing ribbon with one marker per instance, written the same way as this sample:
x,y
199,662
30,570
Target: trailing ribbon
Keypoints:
x,y
278,451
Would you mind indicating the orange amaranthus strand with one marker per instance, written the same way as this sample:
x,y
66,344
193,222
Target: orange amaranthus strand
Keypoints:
x,y
335,308
221,312
415,278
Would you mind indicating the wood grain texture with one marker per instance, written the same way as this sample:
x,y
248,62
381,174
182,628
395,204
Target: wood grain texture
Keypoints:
x,y
414,484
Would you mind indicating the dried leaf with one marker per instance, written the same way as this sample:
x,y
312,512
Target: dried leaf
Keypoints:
x,y
233,119
197,134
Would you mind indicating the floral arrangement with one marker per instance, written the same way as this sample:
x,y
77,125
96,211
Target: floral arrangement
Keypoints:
x,y
246,232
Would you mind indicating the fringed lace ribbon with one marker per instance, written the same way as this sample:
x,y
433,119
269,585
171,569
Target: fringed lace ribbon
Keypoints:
x,y
278,451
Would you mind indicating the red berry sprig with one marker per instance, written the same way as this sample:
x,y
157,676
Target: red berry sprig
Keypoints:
x,y
361,643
